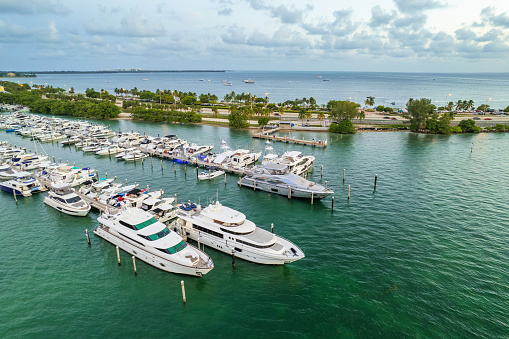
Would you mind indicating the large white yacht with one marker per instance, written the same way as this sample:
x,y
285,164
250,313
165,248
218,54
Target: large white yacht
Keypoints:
x,y
227,230
244,157
138,233
278,180
7,173
62,198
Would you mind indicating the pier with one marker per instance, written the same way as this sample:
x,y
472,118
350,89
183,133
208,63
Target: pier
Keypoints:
x,y
269,135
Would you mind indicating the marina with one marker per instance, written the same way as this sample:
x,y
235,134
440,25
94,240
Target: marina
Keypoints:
x,y
366,262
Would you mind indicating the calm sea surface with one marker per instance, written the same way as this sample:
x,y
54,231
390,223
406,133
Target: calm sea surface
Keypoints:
x,y
387,88
425,256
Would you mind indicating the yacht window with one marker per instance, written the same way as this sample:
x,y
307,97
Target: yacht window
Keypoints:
x,y
206,230
253,245
123,223
73,200
145,223
232,232
157,235
174,249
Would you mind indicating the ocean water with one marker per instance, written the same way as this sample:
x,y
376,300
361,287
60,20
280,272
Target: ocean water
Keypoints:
x,y
387,88
423,256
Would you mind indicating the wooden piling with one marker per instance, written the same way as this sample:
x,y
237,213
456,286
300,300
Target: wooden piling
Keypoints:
x,y
332,207
344,170
312,196
88,238
233,258
321,173
272,228
118,256
348,192
183,291
376,177
134,265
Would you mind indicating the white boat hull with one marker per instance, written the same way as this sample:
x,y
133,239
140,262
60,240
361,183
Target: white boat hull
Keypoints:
x,y
66,209
148,257
283,190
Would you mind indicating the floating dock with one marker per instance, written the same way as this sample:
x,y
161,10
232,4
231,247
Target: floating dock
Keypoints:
x,y
269,135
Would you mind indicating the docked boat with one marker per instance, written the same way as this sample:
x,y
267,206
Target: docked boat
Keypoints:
x,y
135,155
71,175
269,155
278,180
112,149
22,184
7,173
228,230
139,233
211,173
71,141
161,208
243,158
62,198
296,162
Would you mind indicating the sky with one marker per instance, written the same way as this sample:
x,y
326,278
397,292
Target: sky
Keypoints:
x,y
317,35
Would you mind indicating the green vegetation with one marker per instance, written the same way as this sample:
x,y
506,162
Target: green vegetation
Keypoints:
x,y
468,126
237,118
418,112
501,128
342,112
161,115
57,103
381,108
263,121
370,101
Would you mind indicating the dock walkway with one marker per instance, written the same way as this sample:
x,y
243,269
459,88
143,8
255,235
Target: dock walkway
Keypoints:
x,y
269,134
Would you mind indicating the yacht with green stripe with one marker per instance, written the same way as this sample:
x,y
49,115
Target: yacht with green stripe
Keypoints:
x,y
138,233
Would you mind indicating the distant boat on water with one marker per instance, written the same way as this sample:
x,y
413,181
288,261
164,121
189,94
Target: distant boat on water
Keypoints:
x,y
145,79
249,81
228,84
319,76
202,79
325,79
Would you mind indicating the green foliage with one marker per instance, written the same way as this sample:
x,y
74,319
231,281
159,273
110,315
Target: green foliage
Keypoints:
x,y
456,129
237,119
262,121
342,110
468,126
501,128
343,127
418,112
506,109
160,115
370,101
380,108
483,108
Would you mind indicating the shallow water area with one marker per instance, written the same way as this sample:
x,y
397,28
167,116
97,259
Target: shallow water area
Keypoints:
x,y
423,255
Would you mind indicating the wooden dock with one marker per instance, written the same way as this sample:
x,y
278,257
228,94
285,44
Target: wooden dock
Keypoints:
x,y
270,135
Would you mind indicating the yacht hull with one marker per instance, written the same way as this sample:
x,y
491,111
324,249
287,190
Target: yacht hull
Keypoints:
x,y
283,190
241,251
65,209
148,257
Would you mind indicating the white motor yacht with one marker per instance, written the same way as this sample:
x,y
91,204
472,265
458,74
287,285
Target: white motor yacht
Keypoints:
x,y
112,149
62,198
277,179
228,230
135,155
296,162
161,208
269,155
22,184
71,175
139,233
244,157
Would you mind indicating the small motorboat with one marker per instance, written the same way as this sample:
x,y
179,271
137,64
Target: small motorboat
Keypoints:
x,y
212,173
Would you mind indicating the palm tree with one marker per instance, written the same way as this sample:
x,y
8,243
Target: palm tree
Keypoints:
x,y
281,109
370,101
470,104
449,106
320,116
361,115
302,115
459,105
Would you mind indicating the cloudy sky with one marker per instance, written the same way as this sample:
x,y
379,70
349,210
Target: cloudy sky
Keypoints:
x,y
317,35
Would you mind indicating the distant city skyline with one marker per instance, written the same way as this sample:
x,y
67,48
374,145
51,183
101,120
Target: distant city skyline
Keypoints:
x,y
320,35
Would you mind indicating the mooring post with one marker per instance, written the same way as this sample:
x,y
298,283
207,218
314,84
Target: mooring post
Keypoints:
x,y
88,238
348,192
183,291
376,177
134,265
118,256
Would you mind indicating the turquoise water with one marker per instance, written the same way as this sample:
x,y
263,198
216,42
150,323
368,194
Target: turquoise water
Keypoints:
x,y
425,255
